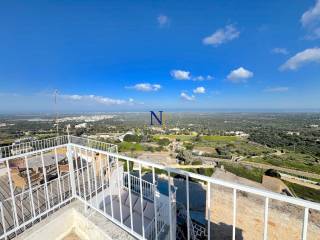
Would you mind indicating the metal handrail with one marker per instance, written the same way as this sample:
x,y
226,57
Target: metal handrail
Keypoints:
x,y
109,152
239,187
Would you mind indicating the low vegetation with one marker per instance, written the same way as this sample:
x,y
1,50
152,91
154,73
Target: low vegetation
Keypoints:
x,y
251,173
304,192
298,161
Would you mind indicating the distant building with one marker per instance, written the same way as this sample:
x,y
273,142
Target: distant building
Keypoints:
x,y
88,118
157,129
81,125
198,152
238,133
174,130
293,133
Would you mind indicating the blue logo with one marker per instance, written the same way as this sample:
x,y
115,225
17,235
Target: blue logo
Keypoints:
x,y
159,118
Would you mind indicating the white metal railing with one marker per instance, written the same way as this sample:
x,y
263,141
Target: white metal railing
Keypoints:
x,y
29,206
152,231
236,188
91,143
90,182
148,187
31,146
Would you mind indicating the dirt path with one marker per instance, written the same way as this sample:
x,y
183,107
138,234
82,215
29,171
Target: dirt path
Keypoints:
x,y
288,170
190,166
266,166
309,185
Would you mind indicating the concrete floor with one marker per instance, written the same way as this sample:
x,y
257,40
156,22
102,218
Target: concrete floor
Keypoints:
x,y
72,236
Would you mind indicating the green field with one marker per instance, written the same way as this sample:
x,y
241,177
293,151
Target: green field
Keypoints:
x,y
297,161
224,146
130,147
229,146
256,174
190,137
174,136
304,192
251,173
220,138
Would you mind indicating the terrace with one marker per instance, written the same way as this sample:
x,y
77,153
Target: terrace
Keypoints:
x,y
41,180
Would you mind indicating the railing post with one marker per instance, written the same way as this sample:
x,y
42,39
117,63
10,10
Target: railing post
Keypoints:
x,y
188,207
141,201
155,202
119,191
58,173
109,184
95,177
130,196
234,214
88,176
172,234
266,216
30,187
44,171
209,208
15,215
102,179
71,170
3,221
305,224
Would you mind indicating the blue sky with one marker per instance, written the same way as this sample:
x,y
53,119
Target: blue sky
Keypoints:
x,y
143,55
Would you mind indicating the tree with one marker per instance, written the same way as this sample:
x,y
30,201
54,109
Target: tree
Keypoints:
x,y
164,141
132,138
185,156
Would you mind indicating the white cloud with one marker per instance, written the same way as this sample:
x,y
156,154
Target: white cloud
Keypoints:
x,y
311,20
146,87
209,77
74,97
311,16
198,78
313,34
316,33
283,51
222,35
180,74
239,75
307,56
187,97
97,99
202,78
163,20
186,75
277,89
199,90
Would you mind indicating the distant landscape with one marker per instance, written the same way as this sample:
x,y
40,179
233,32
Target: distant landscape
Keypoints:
x,y
245,144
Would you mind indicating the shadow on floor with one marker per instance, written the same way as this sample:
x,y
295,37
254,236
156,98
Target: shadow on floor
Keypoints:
x,y
222,231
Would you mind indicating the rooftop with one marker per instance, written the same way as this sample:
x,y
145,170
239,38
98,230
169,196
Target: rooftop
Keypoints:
x,y
58,178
